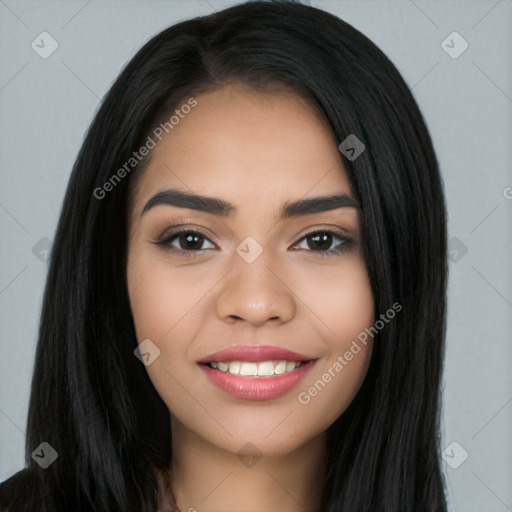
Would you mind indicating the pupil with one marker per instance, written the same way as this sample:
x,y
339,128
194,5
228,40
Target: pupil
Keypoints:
x,y
191,239
323,237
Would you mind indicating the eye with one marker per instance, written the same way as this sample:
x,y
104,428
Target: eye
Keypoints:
x,y
188,240
321,242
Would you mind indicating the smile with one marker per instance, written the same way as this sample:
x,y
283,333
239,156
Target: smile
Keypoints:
x,y
256,372
252,369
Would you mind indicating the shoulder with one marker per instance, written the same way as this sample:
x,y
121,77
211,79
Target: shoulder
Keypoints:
x,y
14,488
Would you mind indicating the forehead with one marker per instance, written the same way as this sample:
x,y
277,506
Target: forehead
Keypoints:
x,y
244,144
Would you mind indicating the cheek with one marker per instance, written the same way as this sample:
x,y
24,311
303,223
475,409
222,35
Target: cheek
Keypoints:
x,y
344,304
355,304
340,301
160,296
352,315
148,299
161,301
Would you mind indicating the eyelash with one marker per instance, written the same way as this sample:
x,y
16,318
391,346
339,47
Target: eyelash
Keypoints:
x,y
167,237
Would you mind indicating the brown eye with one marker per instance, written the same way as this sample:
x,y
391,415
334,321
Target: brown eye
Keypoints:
x,y
187,240
321,242
190,241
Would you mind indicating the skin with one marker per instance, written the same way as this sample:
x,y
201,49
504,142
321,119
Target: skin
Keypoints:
x,y
256,150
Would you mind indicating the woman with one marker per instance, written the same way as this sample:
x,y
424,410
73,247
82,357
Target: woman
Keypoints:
x,y
245,306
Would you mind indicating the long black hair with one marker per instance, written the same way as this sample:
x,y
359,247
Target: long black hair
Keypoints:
x,y
91,398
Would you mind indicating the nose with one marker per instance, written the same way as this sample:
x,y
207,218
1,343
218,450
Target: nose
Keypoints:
x,y
256,293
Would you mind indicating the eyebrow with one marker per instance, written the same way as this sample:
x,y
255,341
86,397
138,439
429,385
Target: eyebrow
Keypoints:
x,y
222,208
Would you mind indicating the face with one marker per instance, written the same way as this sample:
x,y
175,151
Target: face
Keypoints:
x,y
246,279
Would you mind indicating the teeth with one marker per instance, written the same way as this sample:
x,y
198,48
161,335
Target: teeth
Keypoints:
x,y
234,367
280,368
265,368
290,366
249,369
223,367
252,369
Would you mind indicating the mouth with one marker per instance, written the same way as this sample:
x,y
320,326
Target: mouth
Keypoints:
x,y
255,369
256,372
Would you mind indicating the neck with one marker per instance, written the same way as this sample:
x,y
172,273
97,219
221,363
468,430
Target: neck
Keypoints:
x,y
207,478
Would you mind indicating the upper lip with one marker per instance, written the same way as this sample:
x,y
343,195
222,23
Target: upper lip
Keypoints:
x,y
255,353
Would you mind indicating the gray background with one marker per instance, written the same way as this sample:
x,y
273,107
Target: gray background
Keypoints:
x,y
47,104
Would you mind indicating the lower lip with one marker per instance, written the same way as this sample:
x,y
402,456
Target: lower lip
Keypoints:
x,y
257,388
